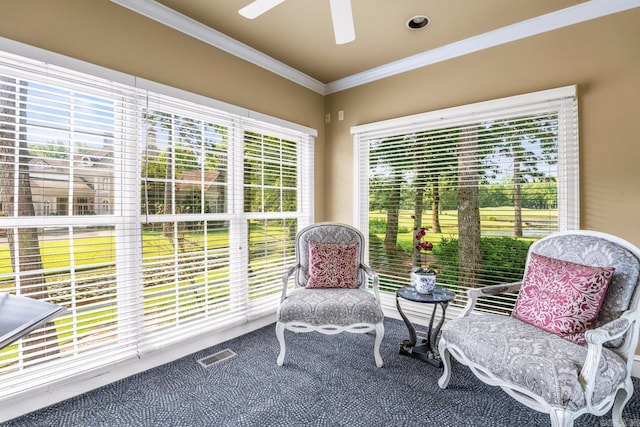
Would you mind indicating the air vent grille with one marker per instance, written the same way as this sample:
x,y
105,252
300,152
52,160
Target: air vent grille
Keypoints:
x,y
216,357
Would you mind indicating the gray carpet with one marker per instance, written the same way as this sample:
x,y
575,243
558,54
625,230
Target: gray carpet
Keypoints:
x,y
325,381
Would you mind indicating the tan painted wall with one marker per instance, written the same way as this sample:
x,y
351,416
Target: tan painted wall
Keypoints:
x,y
103,33
602,57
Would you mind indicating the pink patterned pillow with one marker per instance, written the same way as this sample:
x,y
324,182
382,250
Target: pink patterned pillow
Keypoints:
x,y
561,297
333,265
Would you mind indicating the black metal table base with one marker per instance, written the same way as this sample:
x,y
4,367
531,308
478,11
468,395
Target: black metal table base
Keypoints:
x,y
420,351
424,345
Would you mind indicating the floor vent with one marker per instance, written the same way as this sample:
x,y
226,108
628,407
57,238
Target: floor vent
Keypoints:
x,y
216,357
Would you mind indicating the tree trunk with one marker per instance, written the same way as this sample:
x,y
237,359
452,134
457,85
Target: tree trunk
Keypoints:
x,y
517,200
393,213
468,213
435,206
417,223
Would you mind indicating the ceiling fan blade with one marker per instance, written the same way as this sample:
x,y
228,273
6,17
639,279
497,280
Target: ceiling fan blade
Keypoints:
x,y
258,7
342,21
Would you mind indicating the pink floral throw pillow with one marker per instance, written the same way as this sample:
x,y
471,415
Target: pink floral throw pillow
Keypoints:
x,y
561,297
333,265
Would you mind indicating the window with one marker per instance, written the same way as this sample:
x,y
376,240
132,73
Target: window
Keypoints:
x,y
151,214
105,207
466,190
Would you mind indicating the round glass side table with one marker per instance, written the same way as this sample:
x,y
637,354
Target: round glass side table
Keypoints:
x,y
427,348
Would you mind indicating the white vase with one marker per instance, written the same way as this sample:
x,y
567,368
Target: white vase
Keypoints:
x,y
423,280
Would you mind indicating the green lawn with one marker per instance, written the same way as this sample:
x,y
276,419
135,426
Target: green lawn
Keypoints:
x,y
98,253
498,220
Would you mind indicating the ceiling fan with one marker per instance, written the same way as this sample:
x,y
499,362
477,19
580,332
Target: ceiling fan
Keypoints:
x,y
341,16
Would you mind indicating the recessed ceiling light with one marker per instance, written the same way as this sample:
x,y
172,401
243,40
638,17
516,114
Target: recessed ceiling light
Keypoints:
x,y
417,22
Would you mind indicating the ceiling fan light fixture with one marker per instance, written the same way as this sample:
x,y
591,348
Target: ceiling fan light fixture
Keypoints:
x,y
417,22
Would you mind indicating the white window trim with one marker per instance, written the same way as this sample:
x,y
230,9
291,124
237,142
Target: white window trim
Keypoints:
x,y
568,169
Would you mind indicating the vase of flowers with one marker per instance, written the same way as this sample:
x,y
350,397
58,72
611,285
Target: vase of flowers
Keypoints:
x,y
423,278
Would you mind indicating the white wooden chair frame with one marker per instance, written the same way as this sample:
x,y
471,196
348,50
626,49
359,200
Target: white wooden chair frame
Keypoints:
x,y
329,233
626,326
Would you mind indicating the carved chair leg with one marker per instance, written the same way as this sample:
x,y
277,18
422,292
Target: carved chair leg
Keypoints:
x,y
622,397
376,346
445,357
561,418
280,335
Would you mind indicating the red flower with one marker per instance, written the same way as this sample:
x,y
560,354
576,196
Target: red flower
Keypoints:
x,y
423,246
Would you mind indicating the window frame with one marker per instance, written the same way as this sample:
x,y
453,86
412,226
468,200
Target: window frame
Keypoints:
x,y
125,212
562,100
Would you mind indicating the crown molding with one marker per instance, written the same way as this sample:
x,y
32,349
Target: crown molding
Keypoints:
x,y
169,17
562,18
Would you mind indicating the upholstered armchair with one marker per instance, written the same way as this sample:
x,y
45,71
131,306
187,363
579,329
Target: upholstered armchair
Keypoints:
x,y
334,291
567,349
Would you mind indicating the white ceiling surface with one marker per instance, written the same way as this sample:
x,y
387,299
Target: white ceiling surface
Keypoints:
x,y
295,39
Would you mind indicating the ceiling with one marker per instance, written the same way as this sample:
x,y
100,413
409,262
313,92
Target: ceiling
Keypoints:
x,y
299,33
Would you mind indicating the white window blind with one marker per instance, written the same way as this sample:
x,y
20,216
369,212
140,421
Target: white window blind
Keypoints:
x,y
62,140
185,233
151,217
466,190
272,164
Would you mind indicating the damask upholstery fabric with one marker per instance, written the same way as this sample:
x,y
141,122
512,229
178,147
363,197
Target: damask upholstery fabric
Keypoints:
x,y
528,356
340,307
590,250
561,297
333,265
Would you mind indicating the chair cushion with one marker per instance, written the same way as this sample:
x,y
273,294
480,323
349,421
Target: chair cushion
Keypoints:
x,y
561,297
333,265
339,307
325,233
525,355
